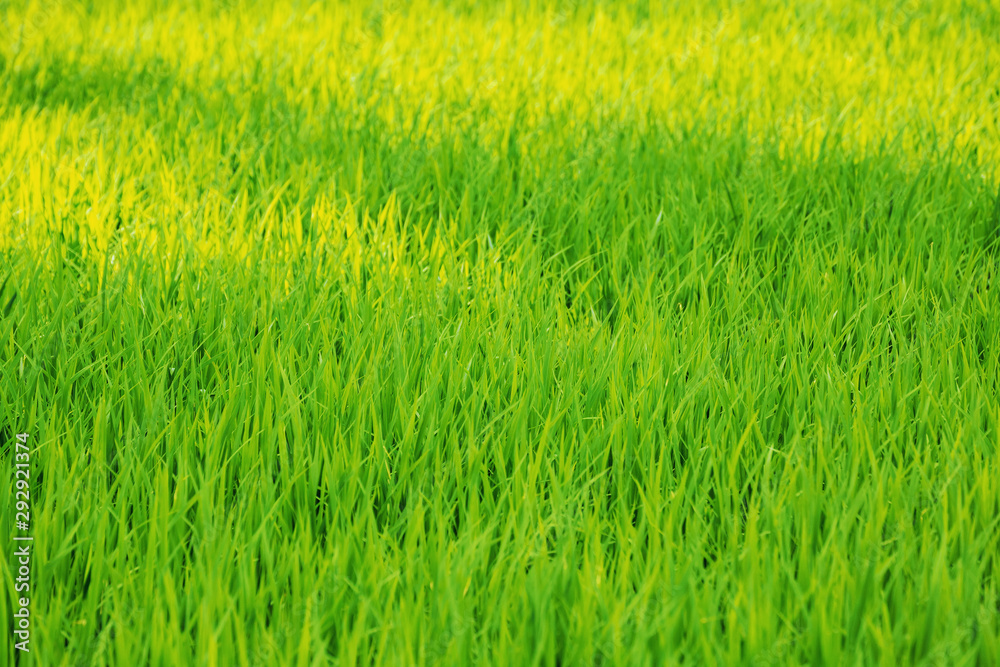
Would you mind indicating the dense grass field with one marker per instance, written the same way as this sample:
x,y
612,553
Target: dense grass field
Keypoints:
x,y
505,333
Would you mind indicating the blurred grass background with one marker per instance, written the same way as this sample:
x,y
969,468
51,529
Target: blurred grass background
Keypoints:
x,y
504,333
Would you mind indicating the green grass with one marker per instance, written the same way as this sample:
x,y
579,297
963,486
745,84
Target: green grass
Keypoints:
x,y
555,334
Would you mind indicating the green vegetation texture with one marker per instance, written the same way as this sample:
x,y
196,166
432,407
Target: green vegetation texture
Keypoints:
x,y
504,333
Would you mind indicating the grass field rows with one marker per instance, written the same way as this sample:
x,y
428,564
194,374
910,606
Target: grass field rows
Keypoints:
x,y
556,333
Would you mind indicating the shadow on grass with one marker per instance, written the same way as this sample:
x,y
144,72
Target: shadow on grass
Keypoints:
x,y
658,190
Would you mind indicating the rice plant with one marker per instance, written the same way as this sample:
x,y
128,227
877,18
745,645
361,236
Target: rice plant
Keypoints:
x,y
555,332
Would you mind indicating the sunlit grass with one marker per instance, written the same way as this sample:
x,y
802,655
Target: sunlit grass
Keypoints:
x,y
563,333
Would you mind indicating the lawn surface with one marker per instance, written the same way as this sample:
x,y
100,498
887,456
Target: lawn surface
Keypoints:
x,y
549,333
